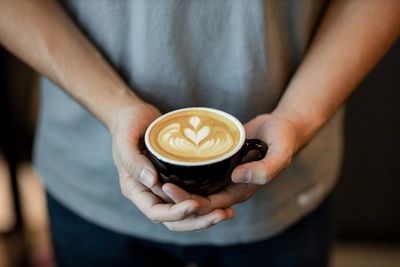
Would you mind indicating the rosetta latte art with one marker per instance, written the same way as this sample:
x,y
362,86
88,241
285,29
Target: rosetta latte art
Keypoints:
x,y
195,139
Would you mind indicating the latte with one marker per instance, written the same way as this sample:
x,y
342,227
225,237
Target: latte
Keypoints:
x,y
194,135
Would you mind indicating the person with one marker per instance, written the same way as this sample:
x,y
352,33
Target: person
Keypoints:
x,y
120,64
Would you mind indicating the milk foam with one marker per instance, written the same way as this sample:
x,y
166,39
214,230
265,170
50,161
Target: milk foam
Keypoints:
x,y
195,138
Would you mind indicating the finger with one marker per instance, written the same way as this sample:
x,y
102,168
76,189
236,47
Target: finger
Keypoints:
x,y
199,222
127,154
141,168
162,212
252,126
157,190
157,187
230,195
262,171
154,208
177,195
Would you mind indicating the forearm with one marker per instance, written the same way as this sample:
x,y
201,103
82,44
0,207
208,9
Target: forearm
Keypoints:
x,y
353,36
40,33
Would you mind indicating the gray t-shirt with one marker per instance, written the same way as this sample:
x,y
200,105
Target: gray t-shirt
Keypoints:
x,y
234,55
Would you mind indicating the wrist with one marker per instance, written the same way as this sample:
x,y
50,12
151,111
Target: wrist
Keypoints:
x,y
133,117
306,123
122,99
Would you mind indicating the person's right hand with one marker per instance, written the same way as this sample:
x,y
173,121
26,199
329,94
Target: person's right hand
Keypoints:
x,y
138,177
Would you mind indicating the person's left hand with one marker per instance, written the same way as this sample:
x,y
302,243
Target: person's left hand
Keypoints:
x,y
282,139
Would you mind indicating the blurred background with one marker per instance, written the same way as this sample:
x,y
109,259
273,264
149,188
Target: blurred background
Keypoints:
x,y
367,197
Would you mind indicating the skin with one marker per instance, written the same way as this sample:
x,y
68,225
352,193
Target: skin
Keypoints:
x,y
352,37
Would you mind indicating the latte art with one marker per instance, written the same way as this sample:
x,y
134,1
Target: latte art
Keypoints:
x,y
197,140
194,136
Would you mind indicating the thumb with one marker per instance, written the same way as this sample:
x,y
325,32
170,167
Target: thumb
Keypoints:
x,y
141,168
128,156
262,171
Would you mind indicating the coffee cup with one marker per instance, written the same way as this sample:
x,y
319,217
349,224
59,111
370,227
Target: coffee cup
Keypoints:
x,y
197,148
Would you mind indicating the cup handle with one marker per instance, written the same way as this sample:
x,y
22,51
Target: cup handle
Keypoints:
x,y
254,144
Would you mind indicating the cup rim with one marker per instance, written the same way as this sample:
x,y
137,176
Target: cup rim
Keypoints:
x,y
197,163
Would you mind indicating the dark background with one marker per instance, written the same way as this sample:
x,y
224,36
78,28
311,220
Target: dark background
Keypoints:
x,y
367,199
368,193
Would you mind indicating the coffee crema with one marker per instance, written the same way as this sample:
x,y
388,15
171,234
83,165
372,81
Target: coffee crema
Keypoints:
x,y
194,136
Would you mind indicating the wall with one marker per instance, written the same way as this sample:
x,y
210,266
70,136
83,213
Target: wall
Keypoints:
x,y
368,194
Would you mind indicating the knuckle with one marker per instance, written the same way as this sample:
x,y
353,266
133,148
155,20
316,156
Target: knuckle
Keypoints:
x,y
152,216
130,167
127,186
124,191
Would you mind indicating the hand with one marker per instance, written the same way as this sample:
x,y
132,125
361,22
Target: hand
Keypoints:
x,y
281,137
138,178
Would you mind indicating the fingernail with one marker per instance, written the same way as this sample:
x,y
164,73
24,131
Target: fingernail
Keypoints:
x,y
260,178
146,176
242,176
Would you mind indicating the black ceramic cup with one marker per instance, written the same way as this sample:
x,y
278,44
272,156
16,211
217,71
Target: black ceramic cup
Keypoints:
x,y
206,177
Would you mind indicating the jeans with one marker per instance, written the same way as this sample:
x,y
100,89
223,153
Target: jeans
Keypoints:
x,y
79,243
